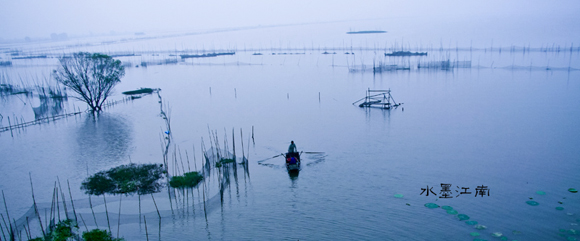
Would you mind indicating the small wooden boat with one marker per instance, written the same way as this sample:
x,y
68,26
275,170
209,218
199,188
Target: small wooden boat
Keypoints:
x,y
292,161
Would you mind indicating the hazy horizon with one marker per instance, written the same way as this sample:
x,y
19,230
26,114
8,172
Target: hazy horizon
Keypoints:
x,y
39,19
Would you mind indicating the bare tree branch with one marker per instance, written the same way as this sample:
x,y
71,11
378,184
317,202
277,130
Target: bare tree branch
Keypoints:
x,y
91,76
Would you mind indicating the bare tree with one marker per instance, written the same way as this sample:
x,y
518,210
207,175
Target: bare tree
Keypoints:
x,y
91,76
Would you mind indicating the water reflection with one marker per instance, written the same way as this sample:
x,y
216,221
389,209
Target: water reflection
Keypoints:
x,y
48,107
103,140
293,177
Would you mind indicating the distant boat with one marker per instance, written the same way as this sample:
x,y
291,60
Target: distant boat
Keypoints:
x,y
139,91
406,53
366,32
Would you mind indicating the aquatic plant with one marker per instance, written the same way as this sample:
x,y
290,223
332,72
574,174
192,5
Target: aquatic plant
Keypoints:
x,y
532,203
431,205
462,217
453,212
188,180
62,231
223,161
126,179
99,235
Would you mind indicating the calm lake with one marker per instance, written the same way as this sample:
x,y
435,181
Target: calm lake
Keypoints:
x,y
506,128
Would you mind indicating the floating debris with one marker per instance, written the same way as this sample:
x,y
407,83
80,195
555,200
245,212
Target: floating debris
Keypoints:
x,y
572,190
463,217
408,204
516,232
398,195
560,202
431,205
471,222
559,208
474,234
572,232
541,193
533,203
496,234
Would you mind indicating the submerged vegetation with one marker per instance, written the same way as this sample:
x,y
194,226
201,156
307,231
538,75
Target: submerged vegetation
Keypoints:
x,y
125,179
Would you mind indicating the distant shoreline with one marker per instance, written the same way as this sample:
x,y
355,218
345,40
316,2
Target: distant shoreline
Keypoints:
x,y
366,32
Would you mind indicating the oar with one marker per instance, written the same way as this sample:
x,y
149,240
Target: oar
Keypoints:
x,y
259,162
314,152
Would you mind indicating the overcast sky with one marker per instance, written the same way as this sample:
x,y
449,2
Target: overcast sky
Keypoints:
x,y
40,18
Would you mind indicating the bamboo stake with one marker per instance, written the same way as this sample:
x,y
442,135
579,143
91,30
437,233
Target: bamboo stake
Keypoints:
x,y
19,232
158,214
187,157
57,204
8,215
107,212
52,208
181,159
119,219
72,202
35,207
63,199
3,234
27,231
242,138
82,219
10,232
146,232
93,211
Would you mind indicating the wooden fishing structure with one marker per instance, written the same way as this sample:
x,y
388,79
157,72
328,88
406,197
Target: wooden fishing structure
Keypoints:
x,y
378,99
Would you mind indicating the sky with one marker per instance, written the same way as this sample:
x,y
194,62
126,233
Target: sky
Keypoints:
x,y
40,18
